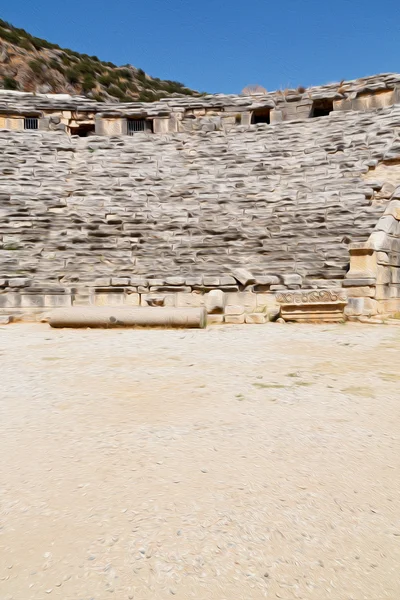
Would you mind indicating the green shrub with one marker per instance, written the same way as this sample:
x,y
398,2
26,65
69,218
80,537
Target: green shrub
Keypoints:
x,y
54,64
125,73
105,80
88,83
113,90
85,68
36,66
111,77
72,75
146,96
9,83
24,43
9,36
66,59
132,87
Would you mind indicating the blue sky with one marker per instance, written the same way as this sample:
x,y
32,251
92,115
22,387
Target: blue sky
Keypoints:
x,y
221,45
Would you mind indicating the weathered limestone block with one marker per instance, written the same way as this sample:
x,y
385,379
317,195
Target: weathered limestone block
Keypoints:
x,y
233,309
355,307
312,305
211,281
395,274
227,281
246,119
363,262
215,319
15,123
383,275
389,224
246,299
194,281
19,282
156,282
395,290
372,101
266,301
382,292
131,299
108,299
361,292
102,282
234,319
138,281
243,276
292,279
191,299
379,240
215,302
276,116
176,280
161,124
32,300
267,280
44,123
358,282
51,300
393,209
255,318
10,300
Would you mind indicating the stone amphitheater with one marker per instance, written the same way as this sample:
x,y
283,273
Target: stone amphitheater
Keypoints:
x,y
285,205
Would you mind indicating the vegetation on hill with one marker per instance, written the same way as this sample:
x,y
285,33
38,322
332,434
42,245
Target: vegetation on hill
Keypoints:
x,y
30,64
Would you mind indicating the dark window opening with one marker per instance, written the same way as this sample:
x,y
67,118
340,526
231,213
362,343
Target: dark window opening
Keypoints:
x,y
139,125
321,108
83,130
260,115
31,123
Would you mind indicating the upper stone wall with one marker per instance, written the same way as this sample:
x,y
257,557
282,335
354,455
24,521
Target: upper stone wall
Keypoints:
x,y
275,199
82,116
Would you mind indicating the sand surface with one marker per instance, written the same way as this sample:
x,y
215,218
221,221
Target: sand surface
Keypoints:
x,y
241,462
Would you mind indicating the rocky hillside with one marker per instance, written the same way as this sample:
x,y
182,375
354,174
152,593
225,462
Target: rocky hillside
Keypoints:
x,y
30,64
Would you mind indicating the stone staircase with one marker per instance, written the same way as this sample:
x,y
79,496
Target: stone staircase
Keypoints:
x,y
279,199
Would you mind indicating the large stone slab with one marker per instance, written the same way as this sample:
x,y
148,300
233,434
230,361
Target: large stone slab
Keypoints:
x,y
312,305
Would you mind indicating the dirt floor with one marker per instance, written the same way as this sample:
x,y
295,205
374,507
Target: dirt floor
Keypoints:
x,y
241,462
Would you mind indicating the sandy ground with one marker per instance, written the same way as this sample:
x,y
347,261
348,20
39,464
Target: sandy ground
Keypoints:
x,y
241,462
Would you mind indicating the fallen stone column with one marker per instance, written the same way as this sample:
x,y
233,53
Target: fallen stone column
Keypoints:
x,y
107,317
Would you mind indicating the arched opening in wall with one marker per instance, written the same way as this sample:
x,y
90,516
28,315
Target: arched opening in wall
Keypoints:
x,y
261,115
83,130
321,108
139,125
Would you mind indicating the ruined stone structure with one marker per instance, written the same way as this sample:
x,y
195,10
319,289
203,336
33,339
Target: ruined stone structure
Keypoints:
x,y
82,116
252,207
